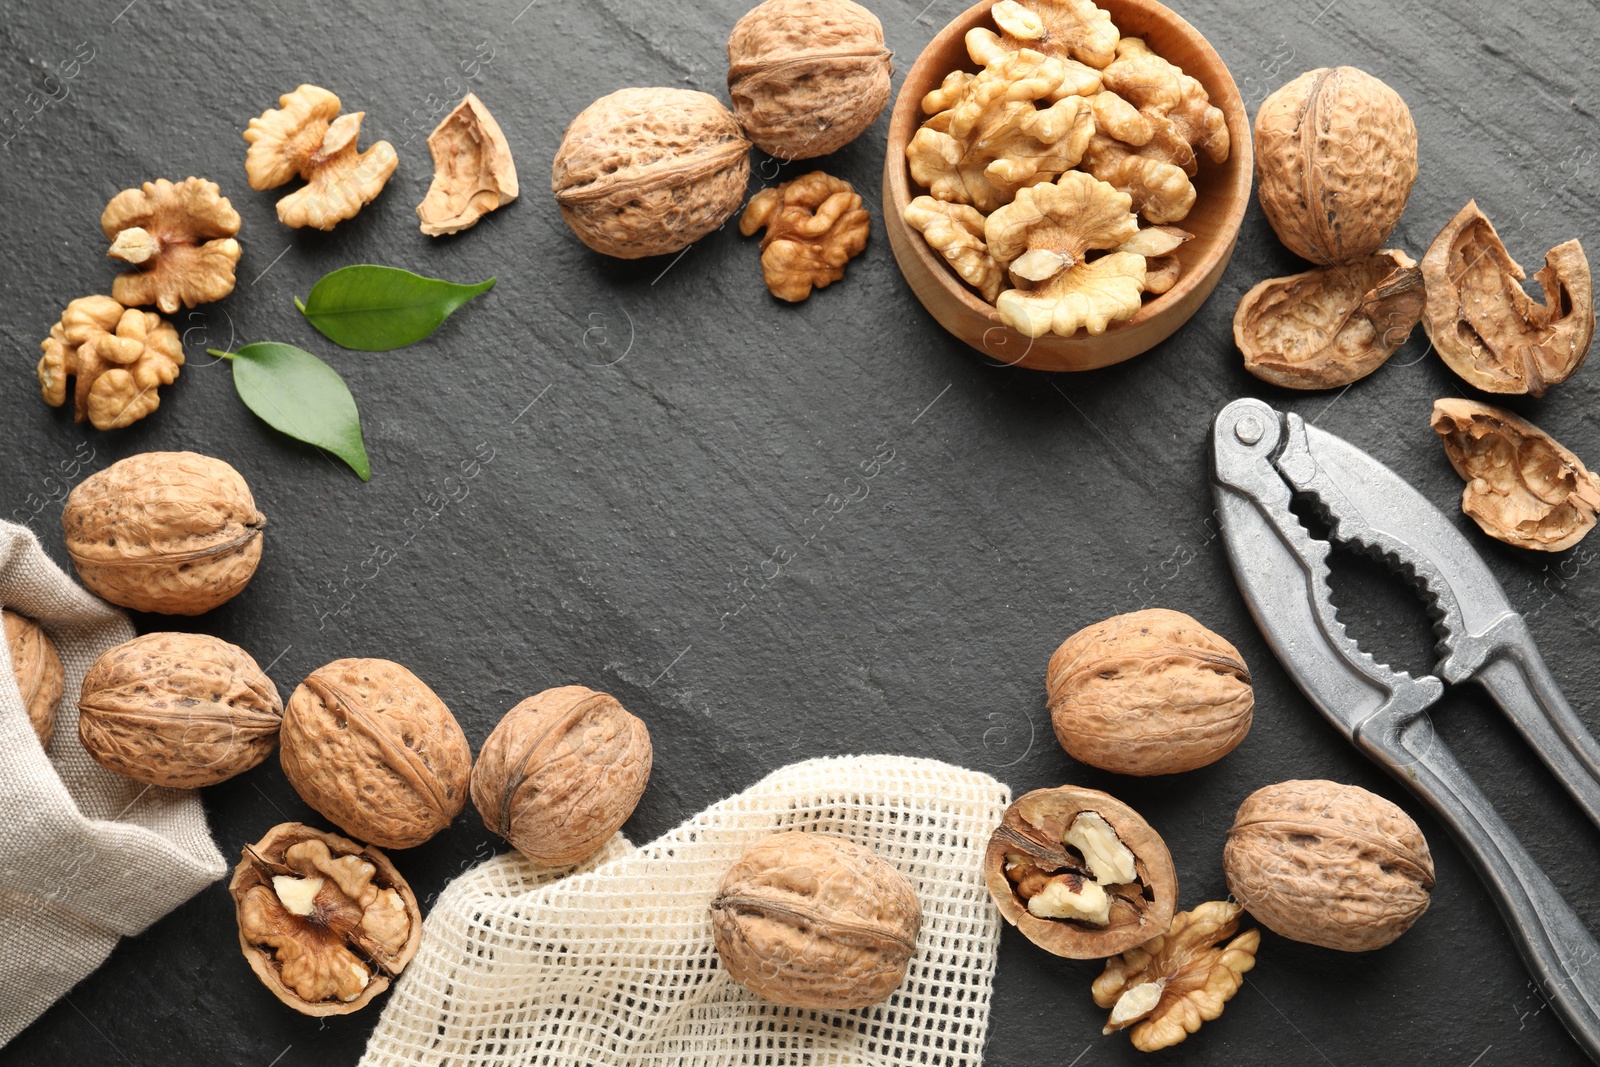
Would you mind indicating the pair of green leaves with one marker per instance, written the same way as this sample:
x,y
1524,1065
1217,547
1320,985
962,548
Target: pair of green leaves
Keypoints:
x,y
364,307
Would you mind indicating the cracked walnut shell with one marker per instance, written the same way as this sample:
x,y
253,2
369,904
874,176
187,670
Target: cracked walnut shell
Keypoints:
x,y
1168,986
302,138
37,669
813,921
171,532
178,710
368,745
1328,864
324,922
1329,326
561,773
1522,487
815,225
1484,325
1080,873
473,173
646,172
180,240
118,358
807,77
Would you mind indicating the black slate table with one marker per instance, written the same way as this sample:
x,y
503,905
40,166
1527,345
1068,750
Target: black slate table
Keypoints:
x,y
655,438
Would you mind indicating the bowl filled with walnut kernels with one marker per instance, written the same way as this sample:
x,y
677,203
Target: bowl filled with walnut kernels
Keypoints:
x,y
1064,182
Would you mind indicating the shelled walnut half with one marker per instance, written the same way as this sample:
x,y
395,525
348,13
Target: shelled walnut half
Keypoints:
x,y
117,357
302,137
814,224
324,922
179,238
1080,873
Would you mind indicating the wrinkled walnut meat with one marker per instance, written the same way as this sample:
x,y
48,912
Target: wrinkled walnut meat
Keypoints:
x,y
118,357
325,923
180,240
473,172
37,668
303,138
1168,986
1487,328
1080,873
1522,488
955,231
1064,29
815,225
1329,326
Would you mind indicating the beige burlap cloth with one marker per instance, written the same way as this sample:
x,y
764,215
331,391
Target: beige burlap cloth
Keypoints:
x,y
86,856
614,965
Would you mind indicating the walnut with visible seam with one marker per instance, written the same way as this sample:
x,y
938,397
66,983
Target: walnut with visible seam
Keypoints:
x,y
179,236
118,357
303,138
473,172
815,225
37,668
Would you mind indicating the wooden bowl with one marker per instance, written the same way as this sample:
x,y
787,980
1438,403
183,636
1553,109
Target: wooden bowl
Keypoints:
x,y
1222,195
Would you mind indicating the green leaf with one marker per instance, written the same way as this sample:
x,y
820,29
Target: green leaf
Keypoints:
x,y
375,309
296,393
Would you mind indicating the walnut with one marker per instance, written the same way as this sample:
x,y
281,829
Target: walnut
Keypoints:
x,y
1522,488
1157,244
645,172
813,921
1161,273
1080,873
807,77
171,532
1168,986
1159,190
1328,864
1336,156
373,749
955,231
118,357
180,239
1063,29
984,46
987,138
1163,111
815,225
302,138
178,710
473,172
1484,325
37,669
324,922
561,773
1329,326
1149,692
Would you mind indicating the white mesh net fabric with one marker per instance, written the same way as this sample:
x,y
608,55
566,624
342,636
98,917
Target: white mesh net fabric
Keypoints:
x,y
614,964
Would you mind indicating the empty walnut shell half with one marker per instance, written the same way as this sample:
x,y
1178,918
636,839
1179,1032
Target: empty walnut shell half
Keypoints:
x,y
1522,487
178,710
371,747
814,921
1487,328
561,773
473,172
1330,326
325,923
1080,873
172,532
38,671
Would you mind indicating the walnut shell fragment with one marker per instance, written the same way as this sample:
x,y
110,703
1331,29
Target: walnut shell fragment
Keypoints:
x,y
1523,487
1080,873
1328,864
325,923
117,357
1483,323
807,77
179,237
646,172
473,172
171,532
561,773
814,921
370,746
815,225
178,710
37,668
303,138
1329,326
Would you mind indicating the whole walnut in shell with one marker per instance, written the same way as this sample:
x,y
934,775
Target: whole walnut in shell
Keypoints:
x,y
814,921
1336,156
1328,864
178,710
171,532
807,77
38,671
370,746
561,772
1149,692
645,172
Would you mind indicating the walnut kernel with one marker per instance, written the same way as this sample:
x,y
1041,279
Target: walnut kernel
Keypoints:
x,y
180,240
117,356
37,668
302,138
815,225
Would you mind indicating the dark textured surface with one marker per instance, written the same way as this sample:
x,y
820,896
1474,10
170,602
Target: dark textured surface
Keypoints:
x,y
670,501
